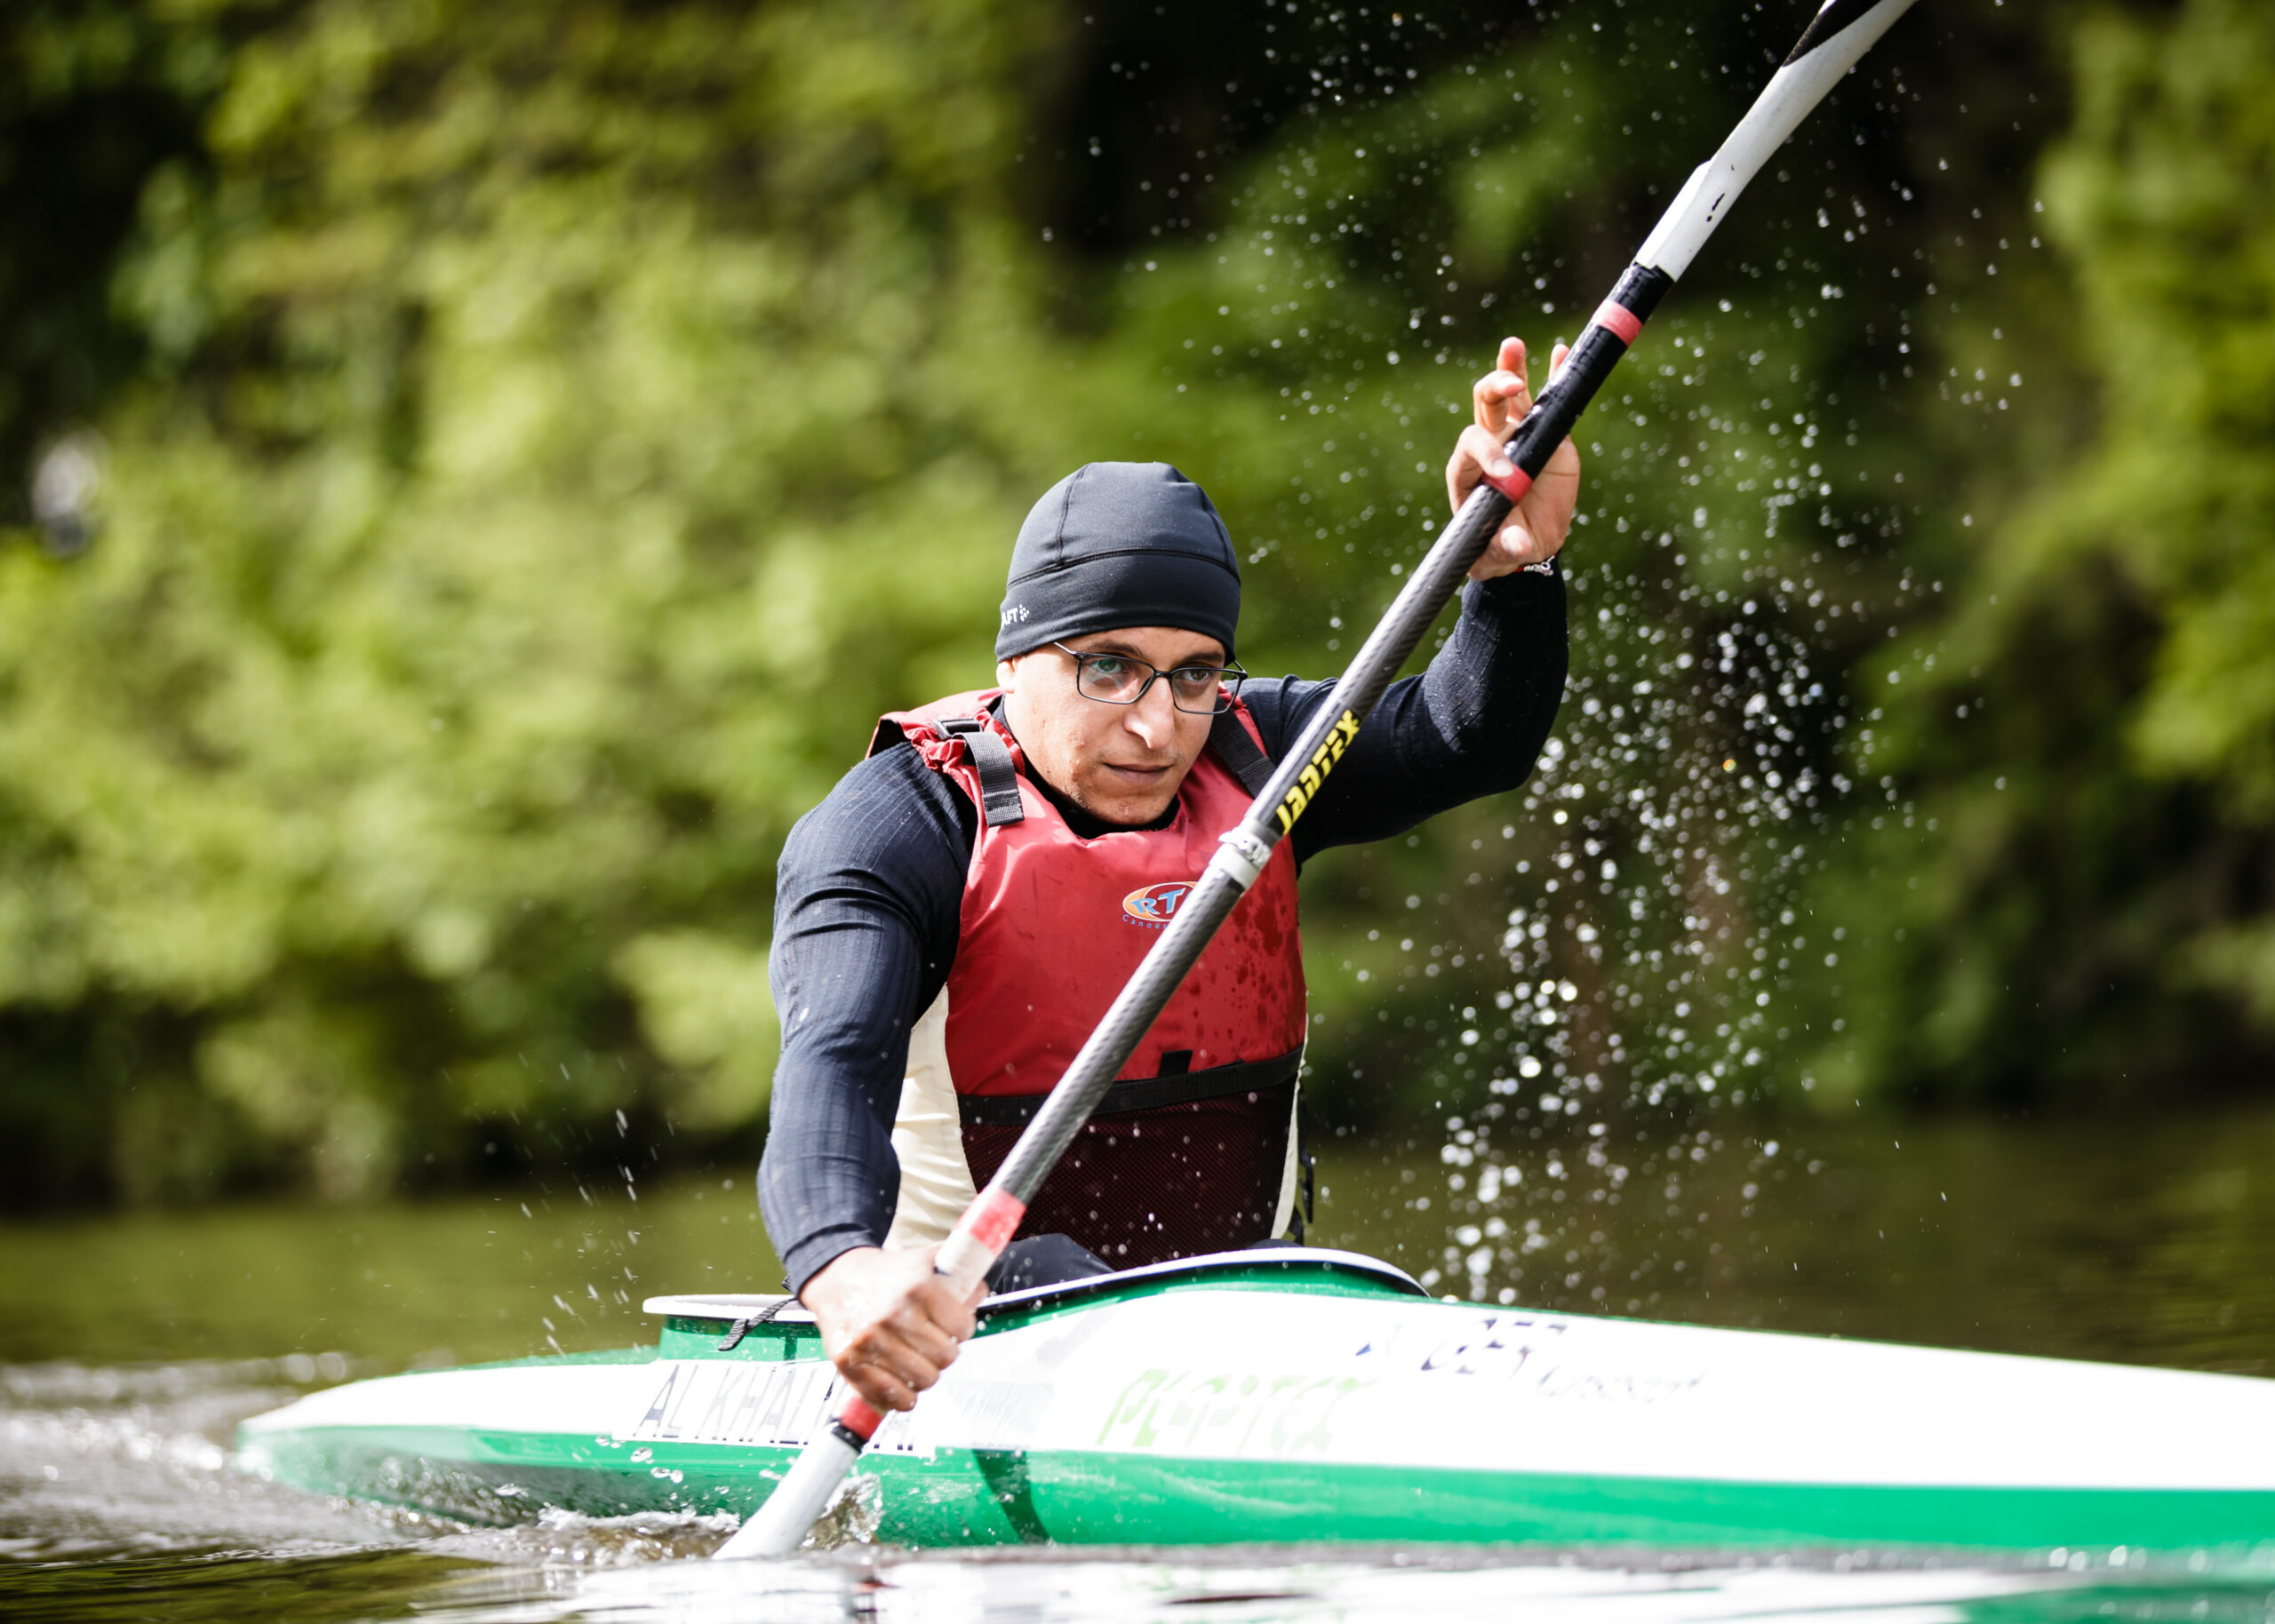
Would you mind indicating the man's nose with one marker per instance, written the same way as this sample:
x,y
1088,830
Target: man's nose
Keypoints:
x,y
1154,718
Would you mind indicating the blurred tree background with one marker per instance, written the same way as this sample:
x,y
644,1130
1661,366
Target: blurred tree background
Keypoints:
x,y
474,472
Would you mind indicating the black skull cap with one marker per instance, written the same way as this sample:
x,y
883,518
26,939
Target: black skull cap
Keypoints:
x,y
1119,543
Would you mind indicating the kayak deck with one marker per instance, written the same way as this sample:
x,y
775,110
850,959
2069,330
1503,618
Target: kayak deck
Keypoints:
x,y
1305,1395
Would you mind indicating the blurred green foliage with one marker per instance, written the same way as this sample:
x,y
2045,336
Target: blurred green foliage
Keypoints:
x,y
494,462
2089,736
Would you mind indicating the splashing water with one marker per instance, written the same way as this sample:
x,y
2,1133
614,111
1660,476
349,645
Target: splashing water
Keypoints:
x,y
1657,859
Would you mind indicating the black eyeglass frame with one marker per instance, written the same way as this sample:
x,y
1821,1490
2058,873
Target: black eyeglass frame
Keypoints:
x,y
1229,679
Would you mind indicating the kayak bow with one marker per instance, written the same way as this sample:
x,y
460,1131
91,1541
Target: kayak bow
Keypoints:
x,y
1306,1395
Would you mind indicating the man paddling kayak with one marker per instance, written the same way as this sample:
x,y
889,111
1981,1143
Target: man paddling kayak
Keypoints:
x,y
960,908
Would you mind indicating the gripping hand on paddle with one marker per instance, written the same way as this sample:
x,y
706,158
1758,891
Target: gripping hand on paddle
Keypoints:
x,y
1535,528
888,1323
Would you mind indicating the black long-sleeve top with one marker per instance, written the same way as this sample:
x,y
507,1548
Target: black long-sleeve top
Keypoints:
x,y
870,890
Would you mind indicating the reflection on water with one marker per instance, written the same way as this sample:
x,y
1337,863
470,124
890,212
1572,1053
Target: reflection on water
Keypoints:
x,y
1374,1587
135,1345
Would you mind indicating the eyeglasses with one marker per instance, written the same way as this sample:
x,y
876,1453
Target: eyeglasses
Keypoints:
x,y
1117,679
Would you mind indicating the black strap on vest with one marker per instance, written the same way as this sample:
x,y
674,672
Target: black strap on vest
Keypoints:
x,y
1238,751
1174,1086
999,780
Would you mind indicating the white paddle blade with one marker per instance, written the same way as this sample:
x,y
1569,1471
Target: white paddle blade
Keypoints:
x,y
790,1513
1797,87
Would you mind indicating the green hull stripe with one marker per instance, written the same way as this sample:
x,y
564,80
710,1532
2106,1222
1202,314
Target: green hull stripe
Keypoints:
x,y
962,1498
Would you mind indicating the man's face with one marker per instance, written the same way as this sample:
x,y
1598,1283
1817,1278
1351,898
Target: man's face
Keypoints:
x,y
1121,763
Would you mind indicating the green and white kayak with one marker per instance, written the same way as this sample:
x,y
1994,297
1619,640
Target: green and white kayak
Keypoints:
x,y
1308,1395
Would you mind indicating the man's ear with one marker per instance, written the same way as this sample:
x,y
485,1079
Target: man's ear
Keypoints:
x,y
1007,674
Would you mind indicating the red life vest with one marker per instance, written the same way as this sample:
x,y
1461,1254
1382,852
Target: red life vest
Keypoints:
x,y
1191,1151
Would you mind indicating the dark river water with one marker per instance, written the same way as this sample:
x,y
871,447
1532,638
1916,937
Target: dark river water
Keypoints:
x,y
130,1348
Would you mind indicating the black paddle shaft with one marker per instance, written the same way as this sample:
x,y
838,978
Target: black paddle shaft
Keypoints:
x,y
1321,743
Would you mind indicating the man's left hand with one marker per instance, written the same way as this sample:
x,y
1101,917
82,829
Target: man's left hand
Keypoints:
x,y
1536,527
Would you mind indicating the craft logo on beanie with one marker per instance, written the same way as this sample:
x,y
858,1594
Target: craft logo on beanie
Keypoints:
x,y
1119,543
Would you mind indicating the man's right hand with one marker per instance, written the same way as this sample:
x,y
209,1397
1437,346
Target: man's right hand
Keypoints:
x,y
1536,526
889,1323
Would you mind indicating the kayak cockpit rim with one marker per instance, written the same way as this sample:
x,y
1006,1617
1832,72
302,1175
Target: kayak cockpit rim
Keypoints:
x,y
730,1309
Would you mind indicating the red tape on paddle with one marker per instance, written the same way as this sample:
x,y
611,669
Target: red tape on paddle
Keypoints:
x,y
1513,487
994,1218
860,1417
1617,318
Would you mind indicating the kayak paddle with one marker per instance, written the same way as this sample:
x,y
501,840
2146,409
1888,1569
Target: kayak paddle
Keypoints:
x,y
1841,32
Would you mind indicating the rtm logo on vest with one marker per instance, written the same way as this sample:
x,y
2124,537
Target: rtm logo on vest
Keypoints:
x,y
1155,906
1315,771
